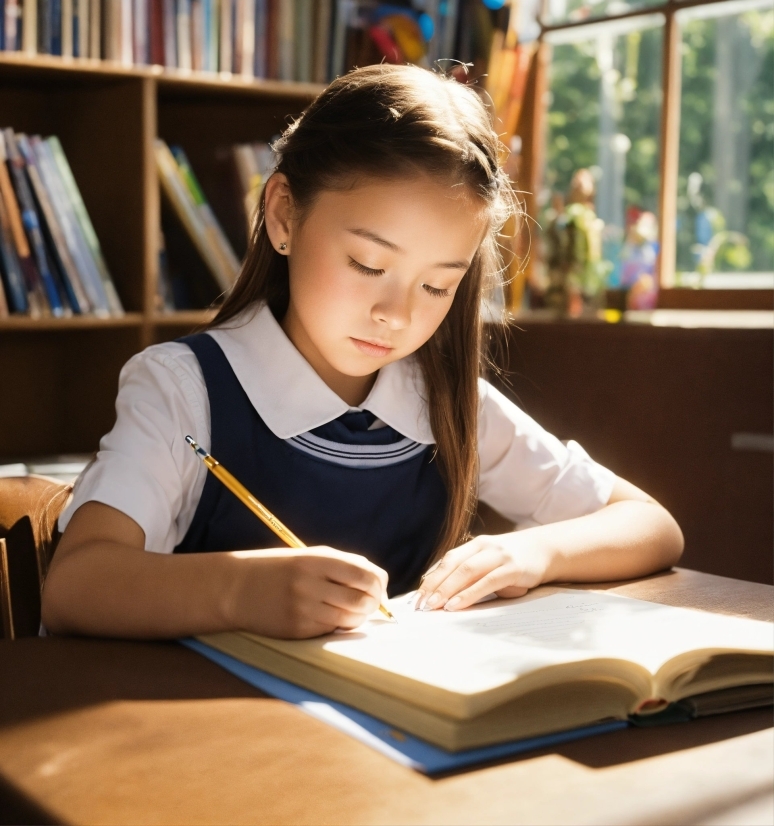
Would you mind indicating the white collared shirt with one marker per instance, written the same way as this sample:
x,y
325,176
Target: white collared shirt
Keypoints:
x,y
145,469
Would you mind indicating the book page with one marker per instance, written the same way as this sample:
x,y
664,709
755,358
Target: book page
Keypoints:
x,y
491,644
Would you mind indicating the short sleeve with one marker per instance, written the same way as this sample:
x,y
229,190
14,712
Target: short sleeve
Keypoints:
x,y
144,467
528,475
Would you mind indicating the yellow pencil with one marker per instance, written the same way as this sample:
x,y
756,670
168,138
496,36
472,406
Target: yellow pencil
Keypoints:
x,y
247,498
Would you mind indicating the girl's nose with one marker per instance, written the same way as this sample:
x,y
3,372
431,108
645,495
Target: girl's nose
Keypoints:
x,y
393,310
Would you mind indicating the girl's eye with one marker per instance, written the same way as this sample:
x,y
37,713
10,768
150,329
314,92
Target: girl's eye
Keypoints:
x,y
434,291
363,269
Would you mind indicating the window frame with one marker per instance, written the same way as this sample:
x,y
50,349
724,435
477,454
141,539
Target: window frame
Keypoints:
x,y
532,131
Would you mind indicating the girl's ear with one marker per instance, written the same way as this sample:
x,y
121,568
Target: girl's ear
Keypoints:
x,y
278,209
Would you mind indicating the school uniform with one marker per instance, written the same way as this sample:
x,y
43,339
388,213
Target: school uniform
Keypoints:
x,y
357,479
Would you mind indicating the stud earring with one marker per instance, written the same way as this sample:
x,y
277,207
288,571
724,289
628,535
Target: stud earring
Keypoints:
x,y
283,246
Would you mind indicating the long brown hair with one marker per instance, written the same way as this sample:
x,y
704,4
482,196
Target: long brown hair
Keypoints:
x,y
394,121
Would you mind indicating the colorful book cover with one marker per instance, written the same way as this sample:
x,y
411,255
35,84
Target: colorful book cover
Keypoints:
x,y
68,222
32,223
76,201
53,230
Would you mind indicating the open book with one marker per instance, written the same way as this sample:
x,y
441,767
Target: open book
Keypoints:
x,y
509,669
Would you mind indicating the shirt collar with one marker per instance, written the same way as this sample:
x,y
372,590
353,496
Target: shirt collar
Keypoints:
x,y
292,399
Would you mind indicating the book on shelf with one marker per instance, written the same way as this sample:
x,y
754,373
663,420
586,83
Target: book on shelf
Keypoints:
x,y
504,670
291,40
50,259
185,206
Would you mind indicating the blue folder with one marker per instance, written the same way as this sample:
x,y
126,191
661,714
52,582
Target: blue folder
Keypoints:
x,y
403,748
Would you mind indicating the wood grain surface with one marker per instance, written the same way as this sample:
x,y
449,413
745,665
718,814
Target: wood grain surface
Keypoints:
x,y
103,731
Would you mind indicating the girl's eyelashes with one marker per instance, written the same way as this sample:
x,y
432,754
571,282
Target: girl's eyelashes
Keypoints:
x,y
435,292
363,269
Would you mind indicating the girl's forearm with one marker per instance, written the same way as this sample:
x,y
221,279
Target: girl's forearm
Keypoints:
x,y
108,589
622,540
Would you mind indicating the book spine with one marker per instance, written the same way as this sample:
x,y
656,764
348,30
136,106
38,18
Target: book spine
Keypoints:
x,y
95,29
30,27
322,32
156,32
66,27
183,29
213,35
344,9
44,27
197,34
11,27
12,272
140,31
272,39
74,238
126,45
170,34
225,35
79,208
31,222
304,42
248,38
55,26
286,9
58,242
4,312
259,43
206,14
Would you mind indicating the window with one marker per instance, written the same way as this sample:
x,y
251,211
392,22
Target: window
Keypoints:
x,y
725,188
654,144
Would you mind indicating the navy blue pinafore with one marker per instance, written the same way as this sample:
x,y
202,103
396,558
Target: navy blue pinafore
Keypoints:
x,y
372,492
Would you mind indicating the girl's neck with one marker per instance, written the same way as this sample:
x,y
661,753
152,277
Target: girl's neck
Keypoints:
x,y
352,389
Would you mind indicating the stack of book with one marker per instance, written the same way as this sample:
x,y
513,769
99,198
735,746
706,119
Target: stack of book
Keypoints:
x,y
50,259
294,40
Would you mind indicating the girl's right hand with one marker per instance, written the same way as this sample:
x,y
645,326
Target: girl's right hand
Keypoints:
x,y
295,594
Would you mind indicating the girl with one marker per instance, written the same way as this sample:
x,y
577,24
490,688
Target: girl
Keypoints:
x,y
340,383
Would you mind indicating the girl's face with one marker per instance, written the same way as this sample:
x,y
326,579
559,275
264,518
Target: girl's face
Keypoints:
x,y
373,271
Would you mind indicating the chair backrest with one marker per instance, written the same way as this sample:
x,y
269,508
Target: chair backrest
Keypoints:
x,y
29,509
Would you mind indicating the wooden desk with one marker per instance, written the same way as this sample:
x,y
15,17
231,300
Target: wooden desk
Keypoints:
x,y
95,731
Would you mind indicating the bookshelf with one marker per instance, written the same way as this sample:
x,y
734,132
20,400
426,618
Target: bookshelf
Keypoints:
x,y
59,376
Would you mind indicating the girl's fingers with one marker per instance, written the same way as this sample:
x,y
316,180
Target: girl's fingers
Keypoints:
x,y
468,571
445,566
346,599
491,583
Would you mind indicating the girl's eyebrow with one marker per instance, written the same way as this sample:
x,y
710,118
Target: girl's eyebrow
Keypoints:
x,y
377,239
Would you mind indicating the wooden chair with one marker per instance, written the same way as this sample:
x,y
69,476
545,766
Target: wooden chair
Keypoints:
x,y
29,509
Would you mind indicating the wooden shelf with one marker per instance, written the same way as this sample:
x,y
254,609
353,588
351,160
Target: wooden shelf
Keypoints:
x,y
169,80
60,379
25,323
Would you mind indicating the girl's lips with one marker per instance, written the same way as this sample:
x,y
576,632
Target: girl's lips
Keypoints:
x,y
371,349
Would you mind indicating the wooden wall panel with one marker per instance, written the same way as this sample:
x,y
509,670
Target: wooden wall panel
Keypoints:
x,y
659,407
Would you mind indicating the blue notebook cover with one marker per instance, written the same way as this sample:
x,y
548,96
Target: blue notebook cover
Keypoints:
x,y
403,748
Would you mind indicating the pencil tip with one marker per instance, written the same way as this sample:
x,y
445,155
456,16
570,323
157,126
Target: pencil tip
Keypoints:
x,y
190,441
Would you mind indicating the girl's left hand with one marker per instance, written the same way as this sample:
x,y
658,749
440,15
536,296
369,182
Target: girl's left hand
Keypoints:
x,y
507,565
